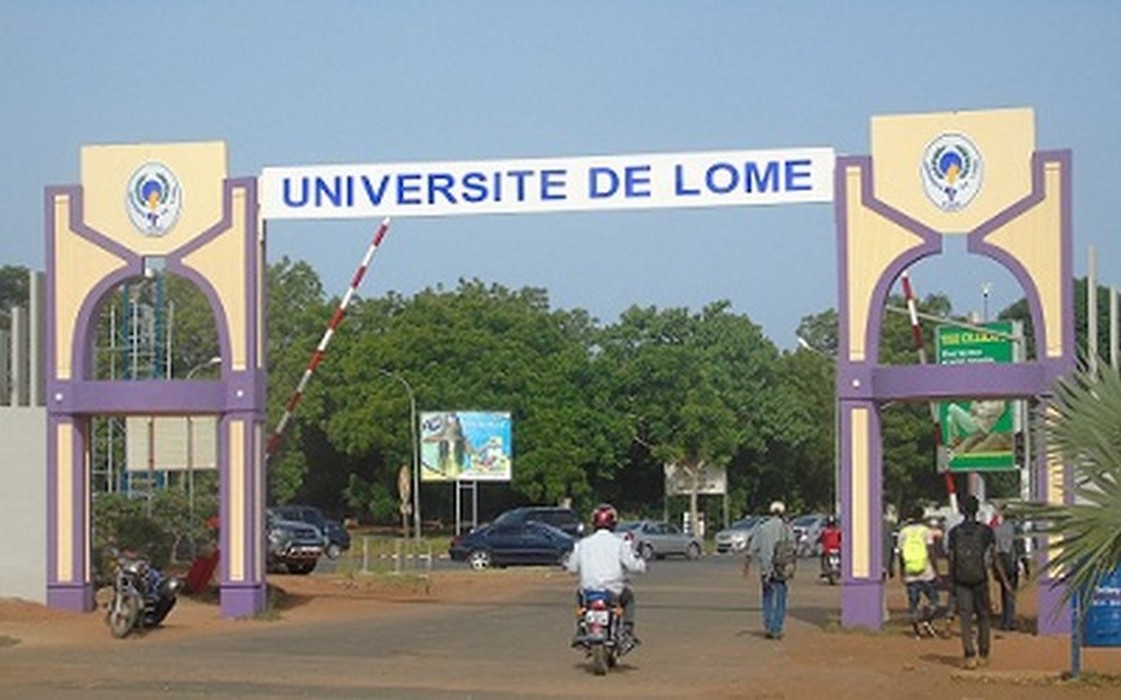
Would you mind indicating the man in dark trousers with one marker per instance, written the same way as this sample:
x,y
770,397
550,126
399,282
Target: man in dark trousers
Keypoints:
x,y
972,549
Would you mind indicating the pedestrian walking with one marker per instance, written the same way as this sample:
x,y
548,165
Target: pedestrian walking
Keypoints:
x,y
972,548
774,548
916,565
1008,552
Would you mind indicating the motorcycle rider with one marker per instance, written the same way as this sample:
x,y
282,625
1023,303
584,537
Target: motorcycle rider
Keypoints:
x,y
830,540
603,562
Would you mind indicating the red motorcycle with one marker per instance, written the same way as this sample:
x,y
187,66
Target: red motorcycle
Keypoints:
x,y
599,629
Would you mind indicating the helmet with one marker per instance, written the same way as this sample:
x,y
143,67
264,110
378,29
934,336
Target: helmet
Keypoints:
x,y
777,508
831,521
604,517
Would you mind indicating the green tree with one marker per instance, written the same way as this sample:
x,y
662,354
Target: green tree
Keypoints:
x,y
1018,311
194,331
297,316
694,389
478,348
13,291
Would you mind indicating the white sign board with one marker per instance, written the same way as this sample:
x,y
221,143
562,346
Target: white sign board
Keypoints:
x,y
708,179
171,442
711,481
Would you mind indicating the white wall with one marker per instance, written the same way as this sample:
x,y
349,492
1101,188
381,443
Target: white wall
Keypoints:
x,y
23,502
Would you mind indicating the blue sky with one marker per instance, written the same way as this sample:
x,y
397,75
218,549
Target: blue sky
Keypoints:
x,y
304,83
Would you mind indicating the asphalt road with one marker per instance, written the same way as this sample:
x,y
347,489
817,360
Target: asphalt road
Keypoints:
x,y
699,621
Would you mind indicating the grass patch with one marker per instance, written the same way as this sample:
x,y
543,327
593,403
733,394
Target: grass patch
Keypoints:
x,y
6,641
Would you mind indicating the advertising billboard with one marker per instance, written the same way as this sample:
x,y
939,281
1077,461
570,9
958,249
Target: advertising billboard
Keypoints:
x,y
979,434
707,480
465,446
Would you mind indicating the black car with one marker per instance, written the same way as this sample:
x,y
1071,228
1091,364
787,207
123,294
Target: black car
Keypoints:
x,y
291,545
337,539
507,544
564,519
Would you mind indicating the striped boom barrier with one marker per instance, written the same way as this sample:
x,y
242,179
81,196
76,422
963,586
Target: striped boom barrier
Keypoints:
x,y
916,339
332,325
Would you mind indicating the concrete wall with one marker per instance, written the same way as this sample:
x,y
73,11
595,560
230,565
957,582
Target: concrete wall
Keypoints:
x,y
23,503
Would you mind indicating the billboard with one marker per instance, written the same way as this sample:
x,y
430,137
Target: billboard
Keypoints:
x,y
979,434
710,480
171,442
465,446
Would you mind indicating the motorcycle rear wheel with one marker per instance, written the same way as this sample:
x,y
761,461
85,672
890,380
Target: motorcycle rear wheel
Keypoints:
x,y
124,612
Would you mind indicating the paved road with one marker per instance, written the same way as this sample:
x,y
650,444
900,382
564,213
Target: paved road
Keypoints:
x,y
699,622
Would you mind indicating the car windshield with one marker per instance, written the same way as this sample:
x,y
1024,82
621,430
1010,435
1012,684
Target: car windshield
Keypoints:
x,y
510,517
805,520
745,523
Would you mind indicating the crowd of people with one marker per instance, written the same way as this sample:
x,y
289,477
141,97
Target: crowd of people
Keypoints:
x,y
959,558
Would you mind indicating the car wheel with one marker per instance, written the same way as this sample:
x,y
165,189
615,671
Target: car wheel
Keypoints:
x,y
333,551
693,551
646,551
479,559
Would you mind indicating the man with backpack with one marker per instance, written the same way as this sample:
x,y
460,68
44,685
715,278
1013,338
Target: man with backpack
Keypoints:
x,y
774,547
972,549
916,566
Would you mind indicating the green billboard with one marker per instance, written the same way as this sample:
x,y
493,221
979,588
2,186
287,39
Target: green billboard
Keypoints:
x,y
979,434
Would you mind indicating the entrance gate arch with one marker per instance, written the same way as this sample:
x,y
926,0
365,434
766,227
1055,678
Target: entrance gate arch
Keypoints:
x,y
208,228
1020,217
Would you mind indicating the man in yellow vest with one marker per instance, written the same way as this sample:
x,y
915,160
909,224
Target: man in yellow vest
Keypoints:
x,y
916,566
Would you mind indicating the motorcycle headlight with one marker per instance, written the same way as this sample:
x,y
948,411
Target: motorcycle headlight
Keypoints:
x,y
171,586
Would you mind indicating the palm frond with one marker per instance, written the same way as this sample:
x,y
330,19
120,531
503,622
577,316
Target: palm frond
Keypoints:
x,y
1083,430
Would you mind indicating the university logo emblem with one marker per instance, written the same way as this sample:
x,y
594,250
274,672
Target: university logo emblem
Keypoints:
x,y
952,171
154,199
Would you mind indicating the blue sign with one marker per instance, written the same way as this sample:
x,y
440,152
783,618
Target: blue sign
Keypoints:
x,y
1102,620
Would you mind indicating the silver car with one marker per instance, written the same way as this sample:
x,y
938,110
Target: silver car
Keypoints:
x,y
737,536
654,539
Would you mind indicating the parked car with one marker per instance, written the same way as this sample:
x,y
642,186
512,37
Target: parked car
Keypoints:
x,y
564,519
291,545
655,539
512,543
336,538
806,530
737,536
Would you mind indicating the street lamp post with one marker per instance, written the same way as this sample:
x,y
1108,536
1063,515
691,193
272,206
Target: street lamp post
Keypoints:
x,y
416,459
216,360
836,429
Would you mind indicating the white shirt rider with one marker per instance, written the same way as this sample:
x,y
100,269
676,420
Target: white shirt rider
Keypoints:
x,y
603,561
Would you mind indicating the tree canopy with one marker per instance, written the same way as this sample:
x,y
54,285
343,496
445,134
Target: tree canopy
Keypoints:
x,y
598,409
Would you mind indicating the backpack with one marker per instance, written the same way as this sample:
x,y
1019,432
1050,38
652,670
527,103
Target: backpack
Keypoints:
x,y
785,556
914,550
969,554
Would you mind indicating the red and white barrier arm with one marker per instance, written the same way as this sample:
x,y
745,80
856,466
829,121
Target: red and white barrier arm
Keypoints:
x,y
332,325
916,339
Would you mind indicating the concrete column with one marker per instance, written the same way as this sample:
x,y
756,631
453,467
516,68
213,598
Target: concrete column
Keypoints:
x,y
862,595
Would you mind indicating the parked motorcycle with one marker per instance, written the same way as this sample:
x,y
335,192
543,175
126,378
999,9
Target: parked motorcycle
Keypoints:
x,y
142,595
599,630
831,566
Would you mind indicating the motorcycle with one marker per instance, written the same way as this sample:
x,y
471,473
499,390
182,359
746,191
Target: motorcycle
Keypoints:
x,y
831,566
599,629
142,595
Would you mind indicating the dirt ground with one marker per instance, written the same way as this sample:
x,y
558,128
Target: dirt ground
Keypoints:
x,y
1024,665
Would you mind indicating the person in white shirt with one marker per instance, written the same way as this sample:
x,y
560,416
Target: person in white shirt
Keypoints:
x,y
604,560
